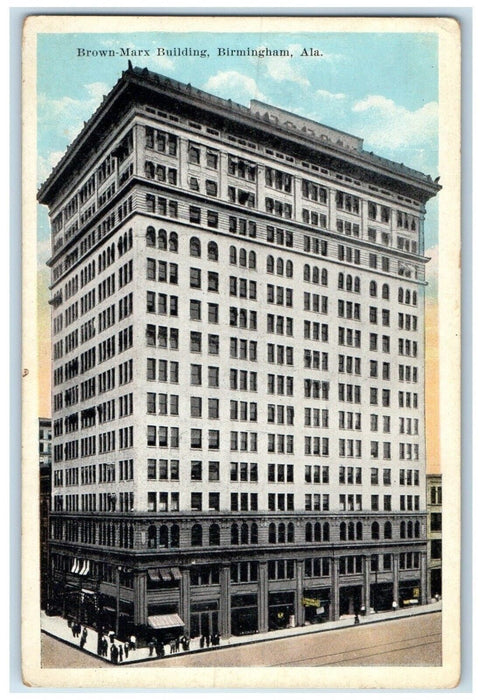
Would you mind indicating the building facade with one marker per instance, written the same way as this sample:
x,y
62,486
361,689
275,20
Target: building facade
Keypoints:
x,y
237,367
434,534
45,476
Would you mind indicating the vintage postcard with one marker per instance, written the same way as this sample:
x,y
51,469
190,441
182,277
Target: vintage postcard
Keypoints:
x,y
241,352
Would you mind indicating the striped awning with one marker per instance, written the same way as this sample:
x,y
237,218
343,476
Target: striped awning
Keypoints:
x,y
175,573
159,622
154,575
165,575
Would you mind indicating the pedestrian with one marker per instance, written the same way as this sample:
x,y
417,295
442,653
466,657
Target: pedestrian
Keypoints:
x,y
151,646
357,619
208,640
126,649
172,646
84,633
201,642
160,650
111,636
121,653
176,644
114,654
394,606
133,642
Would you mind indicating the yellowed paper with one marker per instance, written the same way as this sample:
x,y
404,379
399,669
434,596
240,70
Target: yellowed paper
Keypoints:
x,y
242,59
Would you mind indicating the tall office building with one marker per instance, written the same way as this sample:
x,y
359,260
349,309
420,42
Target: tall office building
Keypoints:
x,y
237,367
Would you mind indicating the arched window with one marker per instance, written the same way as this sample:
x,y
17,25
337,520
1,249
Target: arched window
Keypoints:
x,y
234,534
244,534
162,239
175,536
407,296
129,239
403,530
120,245
242,257
349,283
341,280
232,255
272,533
316,275
342,532
212,250
214,535
195,247
279,266
317,532
254,533
291,532
417,529
409,530
289,268
306,273
373,288
375,531
252,260
400,295
281,532
163,536
270,264
324,277
152,537
356,286
326,532
308,532
351,531
196,536
359,531
173,242
387,531
151,236
386,291
131,536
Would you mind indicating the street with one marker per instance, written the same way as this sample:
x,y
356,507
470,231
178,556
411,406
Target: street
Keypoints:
x,y
411,641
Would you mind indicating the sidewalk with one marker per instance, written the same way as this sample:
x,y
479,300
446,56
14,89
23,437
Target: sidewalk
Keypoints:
x,y
57,627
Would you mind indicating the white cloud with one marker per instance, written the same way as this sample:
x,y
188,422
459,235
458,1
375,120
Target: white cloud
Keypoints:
x,y
230,82
327,95
391,126
69,111
46,165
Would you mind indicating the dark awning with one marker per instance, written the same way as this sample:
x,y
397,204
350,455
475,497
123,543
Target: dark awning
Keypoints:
x,y
164,621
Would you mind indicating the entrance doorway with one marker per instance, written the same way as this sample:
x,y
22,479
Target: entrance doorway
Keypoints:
x,y
350,599
244,614
204,619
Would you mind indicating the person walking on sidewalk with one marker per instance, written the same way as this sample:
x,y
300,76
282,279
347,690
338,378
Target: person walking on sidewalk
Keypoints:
x,y
114,654
126,649
121,653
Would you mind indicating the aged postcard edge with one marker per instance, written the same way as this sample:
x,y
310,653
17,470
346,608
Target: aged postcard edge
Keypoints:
x,y
449,281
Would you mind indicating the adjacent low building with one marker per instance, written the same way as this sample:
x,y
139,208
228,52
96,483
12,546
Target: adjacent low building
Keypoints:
x,y
45,475
237,368
434,532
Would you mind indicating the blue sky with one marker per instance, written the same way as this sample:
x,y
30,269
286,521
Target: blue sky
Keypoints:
x,y
380,87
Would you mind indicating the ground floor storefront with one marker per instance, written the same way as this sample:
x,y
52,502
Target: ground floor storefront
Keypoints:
x,y
167,598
